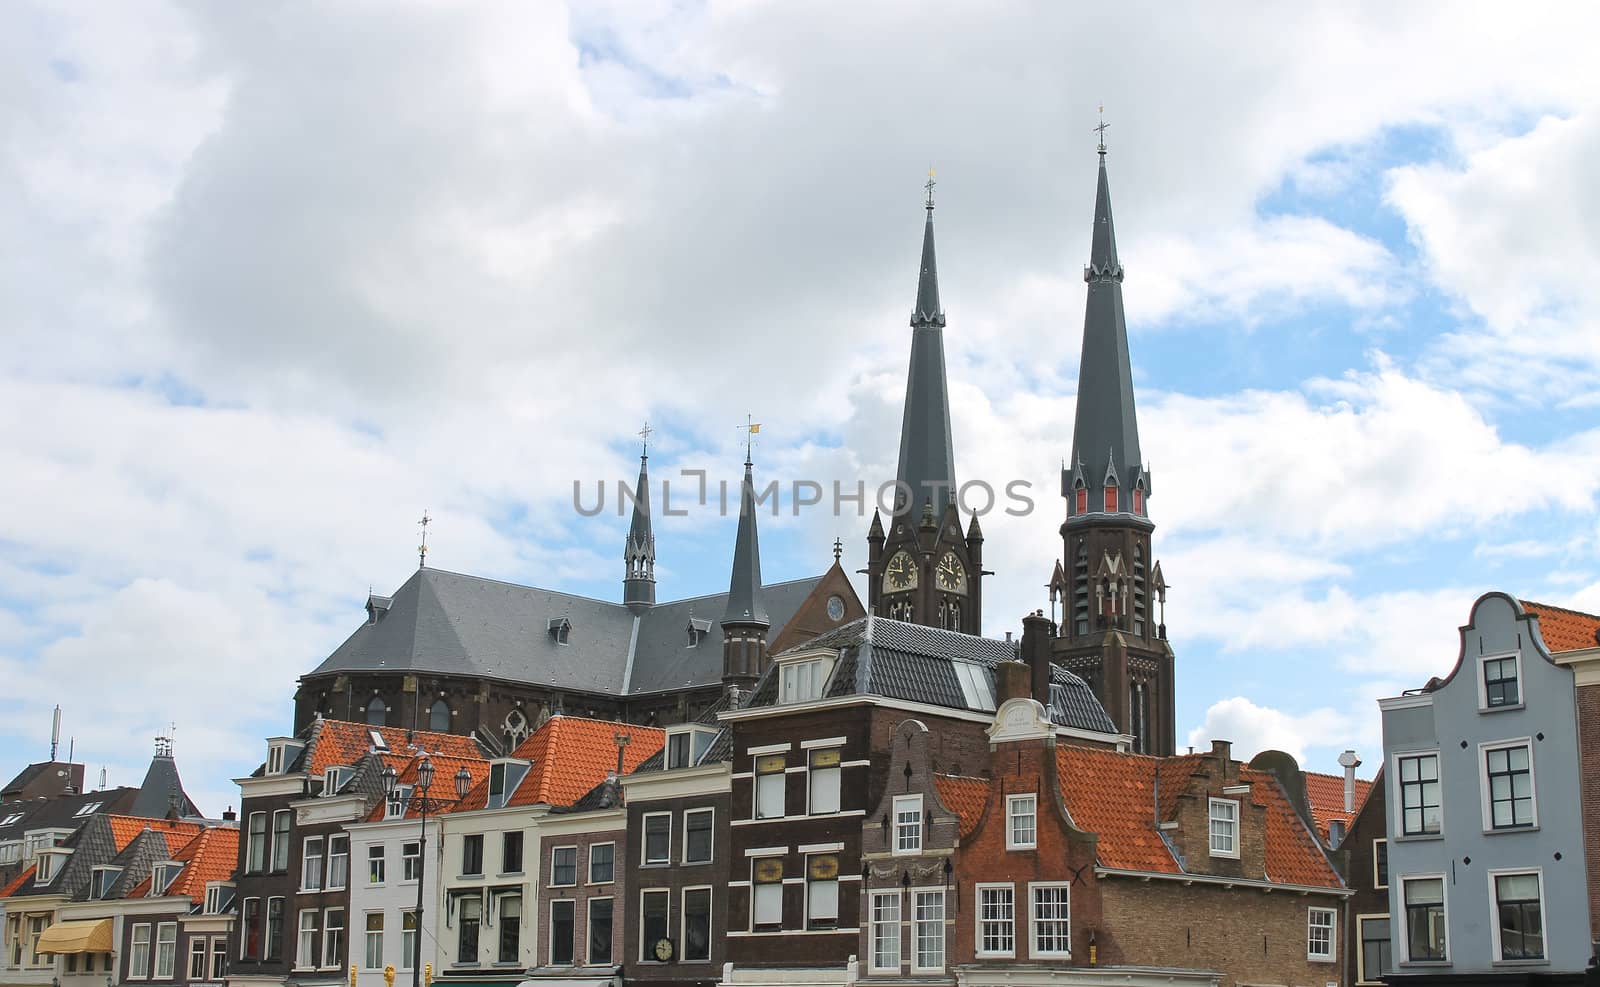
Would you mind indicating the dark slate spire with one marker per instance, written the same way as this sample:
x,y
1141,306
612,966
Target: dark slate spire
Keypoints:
x,y
639,553
1105,435
927,457
745,605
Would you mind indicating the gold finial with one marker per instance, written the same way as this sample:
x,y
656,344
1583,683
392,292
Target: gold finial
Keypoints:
x,y
422,549
749,428
1101,130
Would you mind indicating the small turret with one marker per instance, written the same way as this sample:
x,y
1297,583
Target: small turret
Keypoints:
x,y
639,553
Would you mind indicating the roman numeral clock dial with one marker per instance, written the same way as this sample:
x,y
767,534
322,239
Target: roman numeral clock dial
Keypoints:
x,y
900,574
952,574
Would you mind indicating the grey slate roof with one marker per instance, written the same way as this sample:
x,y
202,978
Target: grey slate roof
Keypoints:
x,y
448,623
1105,434
897,660
927,453
745,604
161,785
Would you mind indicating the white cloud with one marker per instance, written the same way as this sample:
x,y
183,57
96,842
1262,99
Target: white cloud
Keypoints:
x,y
1253,729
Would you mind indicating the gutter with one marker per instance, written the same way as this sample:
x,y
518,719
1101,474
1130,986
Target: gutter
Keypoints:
x,y
1243,882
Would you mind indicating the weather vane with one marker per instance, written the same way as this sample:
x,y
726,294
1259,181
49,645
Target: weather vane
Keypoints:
x,y
1101,130
749,428
644,434
929,187
422,549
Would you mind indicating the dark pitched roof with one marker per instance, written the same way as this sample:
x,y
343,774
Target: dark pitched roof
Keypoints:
x,y
452,624
745,605
899,660
161,790
927,453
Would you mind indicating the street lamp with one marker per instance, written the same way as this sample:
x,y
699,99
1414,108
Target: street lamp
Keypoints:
x,y
391,782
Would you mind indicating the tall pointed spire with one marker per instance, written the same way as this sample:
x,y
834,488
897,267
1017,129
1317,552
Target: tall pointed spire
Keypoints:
x,y
639,552
745,604
1105,435
927,456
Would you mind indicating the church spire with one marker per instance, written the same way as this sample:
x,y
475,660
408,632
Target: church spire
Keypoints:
x,y
1106,463
639,553
745,622
927,457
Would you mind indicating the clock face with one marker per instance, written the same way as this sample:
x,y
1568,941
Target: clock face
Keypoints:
x,y
663,949
835,608
900,573
952,575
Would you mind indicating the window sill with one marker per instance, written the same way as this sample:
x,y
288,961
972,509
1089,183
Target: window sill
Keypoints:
x,y
655,864
1514,964
469,877
559,887
1509,830
1503,708
1024,846
598,884
1425,964
995,956
1319,959
513,873
1416,837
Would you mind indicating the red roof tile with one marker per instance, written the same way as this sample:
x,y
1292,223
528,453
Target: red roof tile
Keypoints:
x,y
17,882
209,856
341,742
570,755
444,781
1115,796
124,829
1325,793
966,797
1563,629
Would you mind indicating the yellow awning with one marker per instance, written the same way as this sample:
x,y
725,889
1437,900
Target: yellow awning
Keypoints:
x,y
77,937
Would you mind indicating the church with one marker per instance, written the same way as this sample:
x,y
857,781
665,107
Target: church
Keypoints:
x,y
463,654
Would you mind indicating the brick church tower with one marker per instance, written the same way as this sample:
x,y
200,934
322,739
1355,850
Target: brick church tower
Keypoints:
x,y
921,567
1113,631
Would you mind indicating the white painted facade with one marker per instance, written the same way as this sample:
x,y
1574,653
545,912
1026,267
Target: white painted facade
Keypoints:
x,y
392,897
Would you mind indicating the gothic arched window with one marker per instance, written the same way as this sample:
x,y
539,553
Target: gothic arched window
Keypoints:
x,y
377,712
439,717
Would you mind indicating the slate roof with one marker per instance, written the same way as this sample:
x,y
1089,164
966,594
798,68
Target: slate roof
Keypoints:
x,y
1114,795
927,454
448,623
161,790
568,757
899,660
17,882
1563,629
1325,794
62,812
966,797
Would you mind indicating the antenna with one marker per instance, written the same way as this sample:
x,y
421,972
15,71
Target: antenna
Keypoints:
x,y
55,733
102,777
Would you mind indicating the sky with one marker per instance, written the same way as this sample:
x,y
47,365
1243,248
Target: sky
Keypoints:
x,y
276,278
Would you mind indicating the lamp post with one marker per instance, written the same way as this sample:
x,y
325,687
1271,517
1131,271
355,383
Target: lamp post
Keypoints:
x,y
391,782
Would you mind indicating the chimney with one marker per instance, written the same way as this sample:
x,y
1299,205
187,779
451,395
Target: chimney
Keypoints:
x,y
1350,763
1037,632
1222,749
1012,681
228,815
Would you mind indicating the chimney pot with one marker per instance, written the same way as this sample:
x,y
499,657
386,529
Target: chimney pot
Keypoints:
x,y
1222,749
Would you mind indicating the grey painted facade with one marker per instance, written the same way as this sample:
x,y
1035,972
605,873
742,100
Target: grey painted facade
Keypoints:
x,y
1484,830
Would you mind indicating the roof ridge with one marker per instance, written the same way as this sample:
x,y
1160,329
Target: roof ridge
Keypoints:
x,y
1551,606
595,599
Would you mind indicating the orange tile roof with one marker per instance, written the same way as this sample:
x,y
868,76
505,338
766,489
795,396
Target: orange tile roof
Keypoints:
x,y
124,829
1325,793
341,742
17,882
966,797
1563,629
570,755
444,782
209,856
1115,796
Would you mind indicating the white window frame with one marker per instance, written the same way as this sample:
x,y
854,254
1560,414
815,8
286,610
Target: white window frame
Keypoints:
x,y
589,870
815,922
644,840
309,874
1399,797
367,940
1232,853
711,847
874,924
143,970
305,940
756,887
803,680
1312,912
1494,915
813,774
1483,684
902,804
1386,878
408,857
981,919
683,922
1034,950
760,781
941,924
588,923
1360,945
334,962
552,882
328,884
197,945
550,932
1013,817
1485,797
1402,936
381,858
645,954
408,950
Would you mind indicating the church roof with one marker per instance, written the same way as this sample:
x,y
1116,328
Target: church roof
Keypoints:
x,y
744,604
448,623
927,454
900,660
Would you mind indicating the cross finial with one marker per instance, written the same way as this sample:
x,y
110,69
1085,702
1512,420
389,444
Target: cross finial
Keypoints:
x,y
838,549
1101,130
644,436
750,428
929,186
422,549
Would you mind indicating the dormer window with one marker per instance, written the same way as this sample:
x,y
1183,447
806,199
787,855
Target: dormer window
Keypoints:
x,y
687,744
88,808
103,880
1111,499
800,680
216,894
504,777
11,819
698,629
396,802
1224,828
378,743
1082,500
377,606
281,752
334,779
559,628
162,876
10,851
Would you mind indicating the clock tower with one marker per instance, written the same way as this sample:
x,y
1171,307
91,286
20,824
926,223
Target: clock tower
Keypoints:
x,y
1113,623
921,566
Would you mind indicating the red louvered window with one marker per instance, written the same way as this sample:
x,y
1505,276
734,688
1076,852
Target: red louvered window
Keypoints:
x,y
1083,500
1138,501
1111,500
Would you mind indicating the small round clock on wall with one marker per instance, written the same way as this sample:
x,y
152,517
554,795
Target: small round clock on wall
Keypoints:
x,y
663,950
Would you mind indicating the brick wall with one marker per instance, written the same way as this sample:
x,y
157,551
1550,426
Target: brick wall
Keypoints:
x,y
1589,766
